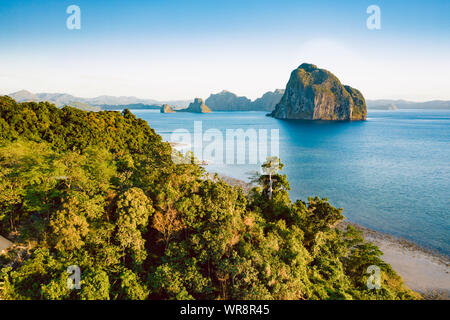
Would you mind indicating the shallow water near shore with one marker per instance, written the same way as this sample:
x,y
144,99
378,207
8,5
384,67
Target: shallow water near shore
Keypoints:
x,y
390,173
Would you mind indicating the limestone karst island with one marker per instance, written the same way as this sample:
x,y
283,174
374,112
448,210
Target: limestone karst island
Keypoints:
x,y
317,94
197,106
165,108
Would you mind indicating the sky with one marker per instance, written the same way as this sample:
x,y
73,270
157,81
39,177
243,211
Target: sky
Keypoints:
x,y
167,49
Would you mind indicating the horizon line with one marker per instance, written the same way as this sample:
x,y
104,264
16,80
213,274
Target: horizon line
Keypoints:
x,y
189,99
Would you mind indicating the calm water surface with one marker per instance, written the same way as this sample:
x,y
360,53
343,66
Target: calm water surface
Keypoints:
x,y
390,173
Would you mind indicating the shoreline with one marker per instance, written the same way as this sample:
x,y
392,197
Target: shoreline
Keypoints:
x,y
422,270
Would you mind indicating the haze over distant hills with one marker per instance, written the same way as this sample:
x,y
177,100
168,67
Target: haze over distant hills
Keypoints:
x,y
404,104
222,101
97,103
59,99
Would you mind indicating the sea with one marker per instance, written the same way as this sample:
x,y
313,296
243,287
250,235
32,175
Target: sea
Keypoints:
x,y
390,173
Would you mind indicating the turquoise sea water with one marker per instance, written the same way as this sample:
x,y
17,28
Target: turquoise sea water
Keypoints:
x,y
390,173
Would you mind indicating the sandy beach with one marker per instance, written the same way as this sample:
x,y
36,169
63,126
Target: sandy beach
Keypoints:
x,y
422,270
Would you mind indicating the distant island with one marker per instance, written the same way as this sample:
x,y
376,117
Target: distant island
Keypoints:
x,y
317,94
222,101
228,101
198,106
165,108
385,107
404,104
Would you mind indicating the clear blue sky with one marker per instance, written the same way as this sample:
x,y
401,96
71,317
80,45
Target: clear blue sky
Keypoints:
x,y
168,49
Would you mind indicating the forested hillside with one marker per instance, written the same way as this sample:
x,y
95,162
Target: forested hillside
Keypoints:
x,y
99,190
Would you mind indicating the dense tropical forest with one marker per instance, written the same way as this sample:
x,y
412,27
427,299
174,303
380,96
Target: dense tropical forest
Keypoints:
x,y
100,190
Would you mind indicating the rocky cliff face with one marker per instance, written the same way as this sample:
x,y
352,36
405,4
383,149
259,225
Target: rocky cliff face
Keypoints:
x,y
165,108
317,94
198,106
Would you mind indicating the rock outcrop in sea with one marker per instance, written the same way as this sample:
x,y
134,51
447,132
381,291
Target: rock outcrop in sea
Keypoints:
x,y
317,94
165,108
198,106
